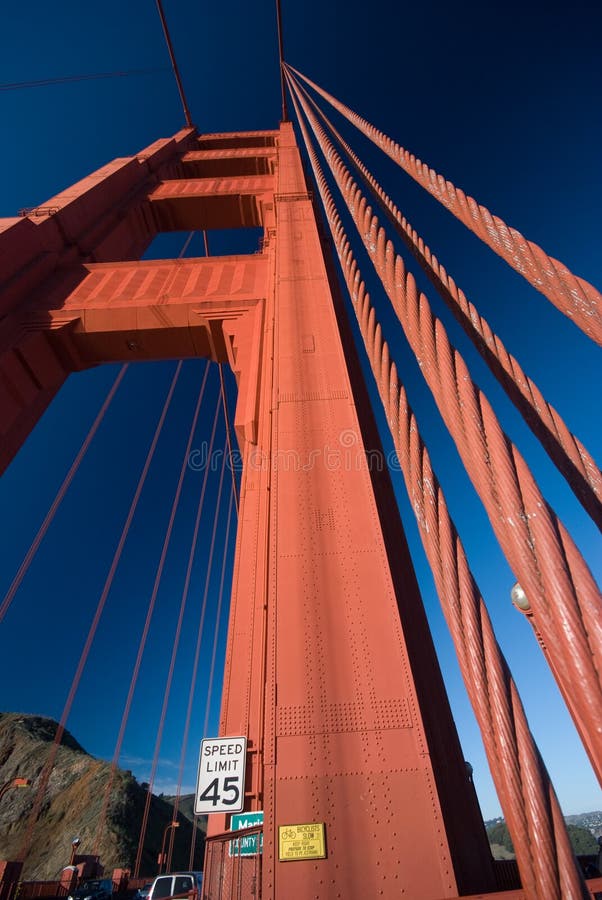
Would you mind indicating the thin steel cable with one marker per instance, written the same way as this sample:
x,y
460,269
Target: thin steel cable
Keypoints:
x,y
195,825
47,770
202,622
567,452
573,296
226,414
173,274
195,665
66,79
228,436
142,642
35,544
158,577
217,618
213,654
561,590
281,60
159,731
174,64
543,851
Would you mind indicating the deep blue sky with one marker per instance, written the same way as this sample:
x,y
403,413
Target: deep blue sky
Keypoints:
x,y
504,101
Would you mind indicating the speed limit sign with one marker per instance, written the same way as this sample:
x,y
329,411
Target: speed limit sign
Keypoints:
x,y
221,780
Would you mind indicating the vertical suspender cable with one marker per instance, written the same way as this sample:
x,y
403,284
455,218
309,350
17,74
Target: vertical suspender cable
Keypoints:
x,y
226,414
154,592
217,619
228,437
214,649
195,665
160,728
144,635
46,771
16,582
203,610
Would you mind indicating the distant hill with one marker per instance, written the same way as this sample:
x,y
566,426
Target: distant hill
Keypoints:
x,y
582,839
73,802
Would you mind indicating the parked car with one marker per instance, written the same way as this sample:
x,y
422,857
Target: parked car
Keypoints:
x,y
93,889
177,884
143,892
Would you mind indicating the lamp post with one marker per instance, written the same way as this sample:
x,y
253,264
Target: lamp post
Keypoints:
x,y
14,783
74,845
162,855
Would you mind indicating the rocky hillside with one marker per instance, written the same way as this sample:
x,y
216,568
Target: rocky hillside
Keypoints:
x,y
72,805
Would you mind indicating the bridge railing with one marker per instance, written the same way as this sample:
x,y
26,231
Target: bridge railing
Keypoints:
x,y
233,865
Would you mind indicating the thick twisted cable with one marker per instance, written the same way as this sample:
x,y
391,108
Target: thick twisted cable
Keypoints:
x,y
573,296
567,452
527,797
560,588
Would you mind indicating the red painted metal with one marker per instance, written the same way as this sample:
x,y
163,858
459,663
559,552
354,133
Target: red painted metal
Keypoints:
x,y
543,849
564,596
330,667
568,453
573,296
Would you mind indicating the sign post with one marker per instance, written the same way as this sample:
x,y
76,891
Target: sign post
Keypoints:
x,y
221,776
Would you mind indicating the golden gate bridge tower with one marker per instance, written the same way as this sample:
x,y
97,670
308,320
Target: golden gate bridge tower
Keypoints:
x,y
331,675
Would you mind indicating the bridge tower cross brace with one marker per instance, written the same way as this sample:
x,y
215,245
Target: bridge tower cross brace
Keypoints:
x,y
330,669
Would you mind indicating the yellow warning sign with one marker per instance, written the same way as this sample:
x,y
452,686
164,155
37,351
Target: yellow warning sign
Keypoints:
x,y
301,842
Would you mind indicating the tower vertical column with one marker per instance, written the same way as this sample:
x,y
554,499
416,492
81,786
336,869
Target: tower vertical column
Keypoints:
x,y
330,667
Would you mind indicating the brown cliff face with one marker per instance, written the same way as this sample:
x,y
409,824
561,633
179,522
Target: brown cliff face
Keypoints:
x,y
72,806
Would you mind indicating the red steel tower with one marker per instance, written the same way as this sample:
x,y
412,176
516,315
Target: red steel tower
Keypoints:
x,y
330,671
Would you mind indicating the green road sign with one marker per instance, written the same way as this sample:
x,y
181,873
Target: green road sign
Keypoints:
x,y
248,844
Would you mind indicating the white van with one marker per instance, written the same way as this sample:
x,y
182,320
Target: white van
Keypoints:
x,y
177,884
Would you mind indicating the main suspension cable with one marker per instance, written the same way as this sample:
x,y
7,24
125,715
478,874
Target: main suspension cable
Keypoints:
x,y
573,296
35,544
526,794
47,769
564,597
570,456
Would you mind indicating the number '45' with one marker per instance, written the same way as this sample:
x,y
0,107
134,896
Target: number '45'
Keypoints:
x,y
211,792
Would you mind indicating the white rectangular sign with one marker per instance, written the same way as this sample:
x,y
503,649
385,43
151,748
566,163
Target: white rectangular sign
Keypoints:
x,y
220,784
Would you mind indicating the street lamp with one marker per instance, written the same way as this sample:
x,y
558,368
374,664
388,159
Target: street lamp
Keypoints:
x,y
162,855
14,783
74,845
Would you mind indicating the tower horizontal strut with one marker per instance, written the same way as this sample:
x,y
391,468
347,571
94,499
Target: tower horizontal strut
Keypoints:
x,y
573,296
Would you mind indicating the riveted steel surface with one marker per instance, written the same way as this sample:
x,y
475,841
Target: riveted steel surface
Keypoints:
x,y
330,669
